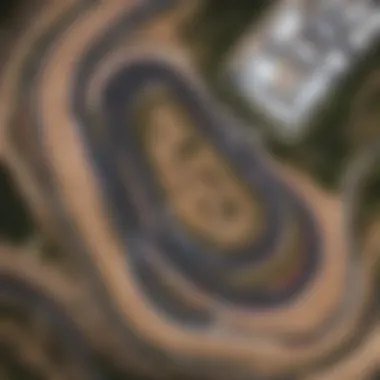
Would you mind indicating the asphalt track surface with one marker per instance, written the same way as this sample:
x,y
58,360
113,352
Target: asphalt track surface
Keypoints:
x,y
250,165
164,239
190,258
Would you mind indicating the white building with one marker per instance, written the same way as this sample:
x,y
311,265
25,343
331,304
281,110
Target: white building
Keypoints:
x,y
288,64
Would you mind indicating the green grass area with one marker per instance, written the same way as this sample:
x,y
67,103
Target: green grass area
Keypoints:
x,y
16,222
